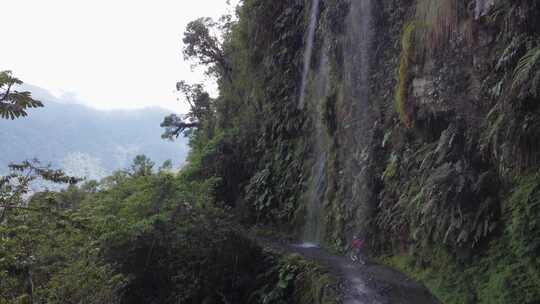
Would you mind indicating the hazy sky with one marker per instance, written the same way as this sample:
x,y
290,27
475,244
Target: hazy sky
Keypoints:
x,y
110,53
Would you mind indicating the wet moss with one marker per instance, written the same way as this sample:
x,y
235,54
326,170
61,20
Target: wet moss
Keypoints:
x,y
402,102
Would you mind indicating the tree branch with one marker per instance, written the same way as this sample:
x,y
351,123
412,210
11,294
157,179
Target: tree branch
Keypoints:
x,y
7,92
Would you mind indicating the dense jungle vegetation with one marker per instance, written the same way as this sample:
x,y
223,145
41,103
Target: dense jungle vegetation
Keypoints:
x,y
147,234
475,243
136,237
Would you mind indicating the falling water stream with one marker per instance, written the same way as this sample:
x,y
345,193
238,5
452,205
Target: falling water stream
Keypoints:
x,y
308,51
313,233
356,137
315,195
357,55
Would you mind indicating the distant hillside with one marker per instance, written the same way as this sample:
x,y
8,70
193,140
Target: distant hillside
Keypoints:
x,y
84,141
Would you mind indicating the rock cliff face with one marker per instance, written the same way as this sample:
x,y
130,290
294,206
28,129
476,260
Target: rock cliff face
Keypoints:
x,y
409,94
420,130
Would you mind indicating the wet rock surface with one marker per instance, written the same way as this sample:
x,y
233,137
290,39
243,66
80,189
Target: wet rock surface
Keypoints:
x,y
368,283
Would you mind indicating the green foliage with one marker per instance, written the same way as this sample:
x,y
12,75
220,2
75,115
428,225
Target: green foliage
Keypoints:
x,y
512,52
271,194
83,281
48,254
166,166
193,256
13,103
507,272
259,190
214,163
238,137
135,238
269,38
524,207
432,201
498,277
142,166
202,44
16,185
402,96
201,110
449,220
391,168
526,77
244,136
298,281
511,136
442,277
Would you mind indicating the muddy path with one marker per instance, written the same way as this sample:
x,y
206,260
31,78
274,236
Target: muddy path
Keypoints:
x,y
364,284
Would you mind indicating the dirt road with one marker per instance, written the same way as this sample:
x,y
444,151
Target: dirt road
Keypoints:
x,y
370,283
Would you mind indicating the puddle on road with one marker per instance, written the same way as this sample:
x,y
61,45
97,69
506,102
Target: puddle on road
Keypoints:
x,y
307,245
359,285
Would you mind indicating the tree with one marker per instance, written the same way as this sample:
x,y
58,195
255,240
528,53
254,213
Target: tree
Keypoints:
x,y
13,103
18,233
166,166
142,166
203,45
52,256
16,186
201,110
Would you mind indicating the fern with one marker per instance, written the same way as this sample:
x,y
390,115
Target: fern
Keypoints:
x,y
511,54
525,77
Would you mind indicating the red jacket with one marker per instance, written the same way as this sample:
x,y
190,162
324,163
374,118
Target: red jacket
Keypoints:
x,y
357,244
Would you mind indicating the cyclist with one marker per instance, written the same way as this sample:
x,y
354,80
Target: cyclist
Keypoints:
x,y
357,244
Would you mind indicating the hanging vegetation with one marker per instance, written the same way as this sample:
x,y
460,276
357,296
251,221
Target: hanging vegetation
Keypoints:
x,y
437,24
402,99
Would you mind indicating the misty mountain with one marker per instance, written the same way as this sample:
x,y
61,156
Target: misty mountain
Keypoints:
x,y
85,141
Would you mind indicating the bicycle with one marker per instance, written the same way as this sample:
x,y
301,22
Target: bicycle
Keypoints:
x,y
356,258
356,247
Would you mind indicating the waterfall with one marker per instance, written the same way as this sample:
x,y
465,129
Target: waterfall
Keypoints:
x,y
361,117
356,117
317,184
308,51
315,195
358,52
313,233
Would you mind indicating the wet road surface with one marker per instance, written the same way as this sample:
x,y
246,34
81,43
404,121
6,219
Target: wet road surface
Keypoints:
x,y
366,284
